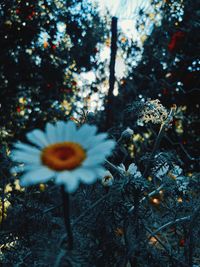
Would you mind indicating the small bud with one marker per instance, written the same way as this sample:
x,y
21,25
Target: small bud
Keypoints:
x,y
107,179
127,134
42,187
119,232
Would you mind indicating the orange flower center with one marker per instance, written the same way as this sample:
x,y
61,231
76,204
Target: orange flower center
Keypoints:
x,y
63,156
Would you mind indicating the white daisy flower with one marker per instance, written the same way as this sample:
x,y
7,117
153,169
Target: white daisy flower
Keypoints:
x,y
63,152
163,170
132,170
176,171
181,180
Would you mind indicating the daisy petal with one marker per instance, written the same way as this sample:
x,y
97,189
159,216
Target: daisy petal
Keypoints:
x,y
85,133
71,185
93,160
51,133
69,180
100,137
38,138
17,169
87,176
24,157
87,130
27,148
61,177
70,131
40,175
95,140
100,172
103,148
60,131
24,167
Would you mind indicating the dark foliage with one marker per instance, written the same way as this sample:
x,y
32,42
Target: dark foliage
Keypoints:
x,y
150,215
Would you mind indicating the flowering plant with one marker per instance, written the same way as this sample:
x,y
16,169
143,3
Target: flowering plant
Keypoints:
x,y
63,152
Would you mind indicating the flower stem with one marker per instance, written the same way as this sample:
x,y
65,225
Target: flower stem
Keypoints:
x,y
66,216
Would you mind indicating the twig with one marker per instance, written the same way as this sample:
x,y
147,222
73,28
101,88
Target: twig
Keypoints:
x,y
183,149
52,208
112,166
148,196
163,245
180,220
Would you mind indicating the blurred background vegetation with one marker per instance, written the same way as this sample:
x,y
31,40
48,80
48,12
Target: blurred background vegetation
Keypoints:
x,y
54,64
